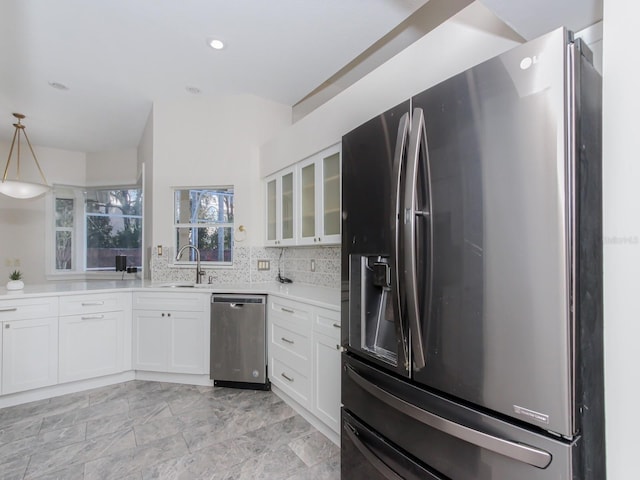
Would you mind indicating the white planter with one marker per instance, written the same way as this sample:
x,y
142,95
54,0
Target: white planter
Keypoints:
x,y
15,285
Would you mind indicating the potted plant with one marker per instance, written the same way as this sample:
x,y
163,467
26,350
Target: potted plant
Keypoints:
x,y
15,281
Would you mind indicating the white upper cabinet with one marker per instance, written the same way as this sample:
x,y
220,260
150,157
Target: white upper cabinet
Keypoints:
x,y
281,208
303,202
319,193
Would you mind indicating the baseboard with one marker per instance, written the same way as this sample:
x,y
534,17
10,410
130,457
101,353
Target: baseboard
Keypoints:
x,y
43,393
183,378
64,389
307,415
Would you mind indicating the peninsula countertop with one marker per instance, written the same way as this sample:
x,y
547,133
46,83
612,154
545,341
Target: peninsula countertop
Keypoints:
x,y
320,296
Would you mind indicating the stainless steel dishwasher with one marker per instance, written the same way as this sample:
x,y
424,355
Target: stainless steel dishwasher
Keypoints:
x,y
239,341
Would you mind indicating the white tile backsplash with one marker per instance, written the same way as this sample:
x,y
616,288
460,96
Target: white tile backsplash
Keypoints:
x,y
295,264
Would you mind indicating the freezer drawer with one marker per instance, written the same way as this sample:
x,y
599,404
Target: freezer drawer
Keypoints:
x,y
368,456
238,341
449,438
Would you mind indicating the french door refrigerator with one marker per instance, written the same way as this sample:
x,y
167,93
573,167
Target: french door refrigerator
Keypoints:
x,y
472,276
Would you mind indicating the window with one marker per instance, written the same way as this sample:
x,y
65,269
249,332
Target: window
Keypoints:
x,y
204,218
64,233
113,226
92,226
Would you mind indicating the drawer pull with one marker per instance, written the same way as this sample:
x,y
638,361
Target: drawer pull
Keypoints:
x,y
287,310
93,317
337,325
92,304
286,377
10,309
287,340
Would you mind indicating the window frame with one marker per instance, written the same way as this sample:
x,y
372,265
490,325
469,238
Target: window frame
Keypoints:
x,y
185,262
108,215
79,241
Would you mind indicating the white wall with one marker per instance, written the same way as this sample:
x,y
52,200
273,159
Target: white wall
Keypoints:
x,y
204,141
621,164
22,222
112,168
145,157
470,37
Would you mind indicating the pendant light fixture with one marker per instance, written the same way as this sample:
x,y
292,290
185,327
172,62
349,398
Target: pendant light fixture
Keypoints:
x,y
17,188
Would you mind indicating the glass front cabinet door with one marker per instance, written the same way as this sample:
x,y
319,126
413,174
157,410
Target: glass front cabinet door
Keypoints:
x,y
319,193
281,208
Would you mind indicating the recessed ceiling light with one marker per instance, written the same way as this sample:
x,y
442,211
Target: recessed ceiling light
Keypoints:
x,y
193,90
216,44
58,86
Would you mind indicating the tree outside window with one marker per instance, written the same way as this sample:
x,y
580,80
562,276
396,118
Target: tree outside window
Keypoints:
x,y
204,218
113,219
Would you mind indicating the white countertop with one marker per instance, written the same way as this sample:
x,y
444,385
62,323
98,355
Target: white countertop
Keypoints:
x,y
319,296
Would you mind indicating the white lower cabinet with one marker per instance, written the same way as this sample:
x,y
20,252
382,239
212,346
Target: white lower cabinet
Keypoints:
x,y
289,348
29,354
150,341
304,356
170,340
188,341
91,345
29,343
326,387
95,338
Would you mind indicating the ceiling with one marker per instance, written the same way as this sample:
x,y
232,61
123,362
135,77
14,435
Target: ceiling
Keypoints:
x,y
116,57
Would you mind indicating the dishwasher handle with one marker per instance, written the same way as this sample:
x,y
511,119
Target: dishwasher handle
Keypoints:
x,y
237,301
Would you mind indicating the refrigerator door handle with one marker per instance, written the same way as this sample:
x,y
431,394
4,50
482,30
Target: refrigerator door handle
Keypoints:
x,y
401,147
371,457
417,137
516,451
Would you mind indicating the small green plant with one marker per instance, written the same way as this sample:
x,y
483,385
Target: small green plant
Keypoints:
x,y
15,275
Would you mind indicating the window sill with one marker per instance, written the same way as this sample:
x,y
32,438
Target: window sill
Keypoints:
x,y
104,275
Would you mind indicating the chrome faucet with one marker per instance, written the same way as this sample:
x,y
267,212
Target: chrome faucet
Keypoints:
x,y
199,271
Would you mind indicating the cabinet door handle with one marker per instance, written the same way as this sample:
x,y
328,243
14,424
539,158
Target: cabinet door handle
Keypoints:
x,y
93,317
286,377
91,304
337,325
287,340
287,310
9,309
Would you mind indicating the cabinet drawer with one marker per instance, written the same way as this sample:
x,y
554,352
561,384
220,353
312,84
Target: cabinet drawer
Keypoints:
x,y
92,303
327,322
170,301
28,308
290,310
290,341
291,381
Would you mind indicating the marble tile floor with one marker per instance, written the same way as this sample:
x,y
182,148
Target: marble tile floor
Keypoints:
x,y
146,430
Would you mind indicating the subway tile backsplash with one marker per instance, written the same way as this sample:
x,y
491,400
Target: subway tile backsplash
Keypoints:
x,y
295,263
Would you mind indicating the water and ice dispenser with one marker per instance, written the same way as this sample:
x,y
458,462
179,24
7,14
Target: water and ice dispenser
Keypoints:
x,y
372,325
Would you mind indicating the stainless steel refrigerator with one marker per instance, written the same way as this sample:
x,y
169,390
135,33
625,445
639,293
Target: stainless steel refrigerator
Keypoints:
x,y
472,276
